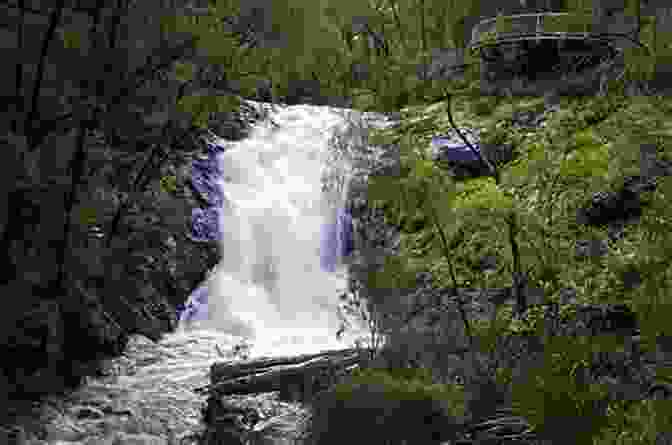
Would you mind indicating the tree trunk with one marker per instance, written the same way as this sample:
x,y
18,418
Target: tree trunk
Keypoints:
x,y
297,378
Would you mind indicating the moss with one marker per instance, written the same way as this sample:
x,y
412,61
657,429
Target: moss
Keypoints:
x,y
386,407
484,106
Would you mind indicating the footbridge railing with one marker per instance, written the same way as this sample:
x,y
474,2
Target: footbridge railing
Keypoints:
x,y
545,26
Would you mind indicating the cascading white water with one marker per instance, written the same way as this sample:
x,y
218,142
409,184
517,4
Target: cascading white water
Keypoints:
x,y
269,285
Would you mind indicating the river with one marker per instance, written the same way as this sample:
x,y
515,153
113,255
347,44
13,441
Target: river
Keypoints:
x,y
271,293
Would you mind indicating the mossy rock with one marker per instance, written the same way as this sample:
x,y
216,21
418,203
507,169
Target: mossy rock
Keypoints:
x,y
386,407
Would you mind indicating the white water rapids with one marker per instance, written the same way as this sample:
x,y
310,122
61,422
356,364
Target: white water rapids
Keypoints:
x,y
269,287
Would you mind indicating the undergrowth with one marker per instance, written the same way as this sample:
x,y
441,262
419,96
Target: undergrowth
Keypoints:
x,y
387,407
525,220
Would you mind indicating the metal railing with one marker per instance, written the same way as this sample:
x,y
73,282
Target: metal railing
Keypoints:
x,y
537,26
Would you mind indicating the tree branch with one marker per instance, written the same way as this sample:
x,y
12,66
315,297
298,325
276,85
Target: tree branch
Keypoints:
x,y
493,169
33,137
76,174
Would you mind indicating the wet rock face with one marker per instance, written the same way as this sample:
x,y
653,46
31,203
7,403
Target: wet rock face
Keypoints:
x,y
205,174
163,243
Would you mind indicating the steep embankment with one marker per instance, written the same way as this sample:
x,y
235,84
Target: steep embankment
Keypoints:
x,y
587,180
139,247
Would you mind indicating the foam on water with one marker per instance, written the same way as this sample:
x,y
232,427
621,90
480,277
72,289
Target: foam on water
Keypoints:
x,y
269,287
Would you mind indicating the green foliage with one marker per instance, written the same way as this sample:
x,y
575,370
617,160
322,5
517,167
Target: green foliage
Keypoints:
x,y
376,406
419,375
185,71
589,157
559,393
397,274
483,193
484,106
590,145
87,216
448,225
169,184
71,39
639,423
203,107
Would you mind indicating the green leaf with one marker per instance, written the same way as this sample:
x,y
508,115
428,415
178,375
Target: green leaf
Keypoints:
x,y
71,39
423,168
226,104
383,188
87,216
184,71
169,184
483,193
219,49
201,106
588,161
587,137
169,23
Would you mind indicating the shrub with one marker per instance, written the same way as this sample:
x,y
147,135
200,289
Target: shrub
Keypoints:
x,y
386,407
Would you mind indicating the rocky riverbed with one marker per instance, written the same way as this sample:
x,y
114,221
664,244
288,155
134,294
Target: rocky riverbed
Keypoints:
x,y
147,397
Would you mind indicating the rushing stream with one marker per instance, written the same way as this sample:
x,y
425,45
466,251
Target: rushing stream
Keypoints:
x,y
275,290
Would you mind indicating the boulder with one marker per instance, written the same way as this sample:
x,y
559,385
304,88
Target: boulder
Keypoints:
x,y
624,205
451,152
196,307
336,239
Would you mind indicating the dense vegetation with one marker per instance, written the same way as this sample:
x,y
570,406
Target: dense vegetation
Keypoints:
x,y
158,74
525,220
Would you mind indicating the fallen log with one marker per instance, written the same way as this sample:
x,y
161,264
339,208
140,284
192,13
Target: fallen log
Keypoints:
x,y
294,377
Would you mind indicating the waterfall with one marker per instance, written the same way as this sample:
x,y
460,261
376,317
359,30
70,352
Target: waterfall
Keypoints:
x,y
283,237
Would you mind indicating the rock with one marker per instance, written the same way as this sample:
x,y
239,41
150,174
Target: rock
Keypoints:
x,y
64,432
369,414
591,248
336,240
84,310
205,224
138,439
87,412
71,295
204,177
606,207
230,423
64,442
445,64
127,269
528,118
450,152
39,336
196,307
12,435
280,430
624,204
567,295
608,318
